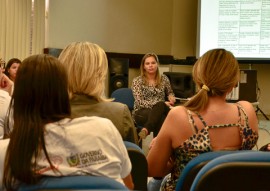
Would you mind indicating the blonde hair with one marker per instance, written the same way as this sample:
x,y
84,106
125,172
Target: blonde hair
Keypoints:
x,y
142,70
215,74
87,66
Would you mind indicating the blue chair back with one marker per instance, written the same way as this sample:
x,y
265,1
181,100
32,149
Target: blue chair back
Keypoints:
x,y
193,167
139,163
74,183
125,96
237,171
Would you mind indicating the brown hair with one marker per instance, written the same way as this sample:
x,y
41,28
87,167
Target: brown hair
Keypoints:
x,y
215,74
40,96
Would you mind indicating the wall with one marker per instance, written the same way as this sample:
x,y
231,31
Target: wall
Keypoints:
x,y
184,28
165,27
263,78
133,26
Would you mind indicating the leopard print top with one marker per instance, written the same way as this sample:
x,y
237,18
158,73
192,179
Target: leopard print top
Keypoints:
x,y
146,96
200,143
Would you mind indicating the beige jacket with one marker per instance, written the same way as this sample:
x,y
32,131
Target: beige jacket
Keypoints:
x,y
118,113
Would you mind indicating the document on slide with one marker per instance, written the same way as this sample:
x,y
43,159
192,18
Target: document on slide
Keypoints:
x,y
241,26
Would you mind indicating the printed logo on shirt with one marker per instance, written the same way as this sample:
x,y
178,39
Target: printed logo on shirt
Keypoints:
x,y
87,158
73,160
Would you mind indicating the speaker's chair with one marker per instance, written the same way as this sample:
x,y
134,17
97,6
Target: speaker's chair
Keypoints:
x,y
125,96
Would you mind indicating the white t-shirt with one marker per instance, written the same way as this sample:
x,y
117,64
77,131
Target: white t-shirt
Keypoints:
x,y
82,146
3,148
4,104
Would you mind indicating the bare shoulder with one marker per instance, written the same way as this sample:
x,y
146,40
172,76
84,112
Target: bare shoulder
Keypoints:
x,y
178,126
178,111
177,117
248,107
250,111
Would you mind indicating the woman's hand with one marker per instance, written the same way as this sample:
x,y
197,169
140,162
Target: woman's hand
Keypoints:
x,y
171,99
5,83
168,104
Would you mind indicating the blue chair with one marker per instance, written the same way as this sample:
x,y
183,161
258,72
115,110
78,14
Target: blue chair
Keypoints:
x,y
139,163
193,167
247,171
74,183
125,96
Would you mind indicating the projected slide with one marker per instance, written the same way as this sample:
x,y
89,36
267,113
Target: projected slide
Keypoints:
x,y
241,26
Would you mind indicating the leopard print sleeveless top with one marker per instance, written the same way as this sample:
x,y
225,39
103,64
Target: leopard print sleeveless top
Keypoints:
x,y
200,143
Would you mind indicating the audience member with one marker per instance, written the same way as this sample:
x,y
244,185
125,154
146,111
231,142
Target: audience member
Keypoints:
x,y
6,86
206,122
87,67
45,141
12,67
150,90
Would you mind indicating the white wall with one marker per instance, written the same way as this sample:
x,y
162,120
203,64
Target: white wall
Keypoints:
x,y
166,27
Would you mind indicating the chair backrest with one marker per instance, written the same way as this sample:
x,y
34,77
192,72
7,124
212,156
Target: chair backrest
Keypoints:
x,y
125,96
74,183
194,166
139,170
238,171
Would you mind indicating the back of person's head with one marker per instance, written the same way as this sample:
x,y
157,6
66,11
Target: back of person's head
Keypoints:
x,y
142,70
40,96
215,74
87,67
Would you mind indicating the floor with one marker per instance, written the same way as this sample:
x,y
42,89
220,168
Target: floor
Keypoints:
x,y
264,132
